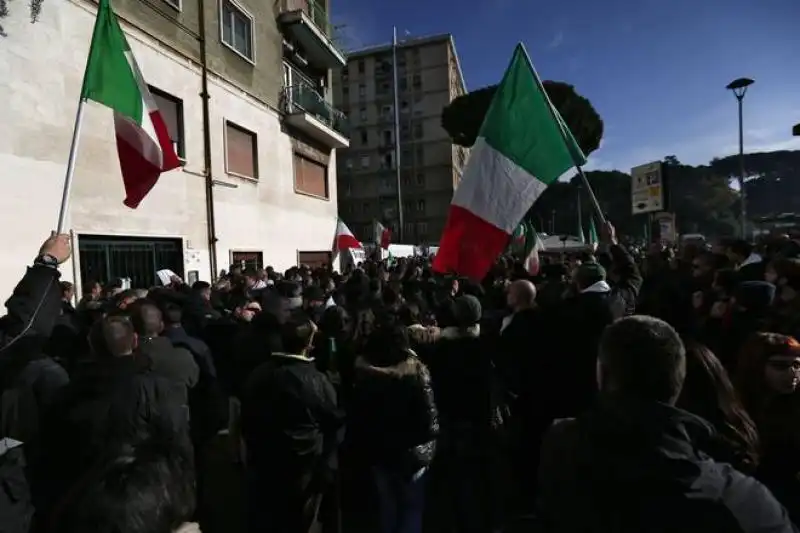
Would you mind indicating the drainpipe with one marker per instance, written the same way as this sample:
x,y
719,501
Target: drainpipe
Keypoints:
x,y
208,174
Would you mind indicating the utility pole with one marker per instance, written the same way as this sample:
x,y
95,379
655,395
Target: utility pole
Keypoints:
x,y
395,90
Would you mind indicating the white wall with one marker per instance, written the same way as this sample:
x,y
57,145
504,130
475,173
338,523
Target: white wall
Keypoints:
x,y
41,67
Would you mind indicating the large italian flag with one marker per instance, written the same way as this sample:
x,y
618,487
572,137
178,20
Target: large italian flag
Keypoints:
x,y
523,146
113,79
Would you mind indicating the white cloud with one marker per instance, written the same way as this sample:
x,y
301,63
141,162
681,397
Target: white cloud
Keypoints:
x,y
556,41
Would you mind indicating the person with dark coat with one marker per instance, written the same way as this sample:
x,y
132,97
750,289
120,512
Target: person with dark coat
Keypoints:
x,y
208,405
631,464
465,494
596,305
111,399
29,380
290,426
174,363
393,425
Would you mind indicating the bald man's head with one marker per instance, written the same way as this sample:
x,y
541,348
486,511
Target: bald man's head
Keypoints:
x,y
521,295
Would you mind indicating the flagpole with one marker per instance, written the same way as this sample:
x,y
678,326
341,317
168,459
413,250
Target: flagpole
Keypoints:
x,y
592,197
73,154
395,88
561,127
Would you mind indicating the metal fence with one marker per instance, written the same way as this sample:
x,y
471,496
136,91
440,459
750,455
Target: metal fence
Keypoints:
x,y
106,258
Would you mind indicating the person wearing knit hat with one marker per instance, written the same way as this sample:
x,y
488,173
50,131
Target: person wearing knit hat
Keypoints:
x,y
467,311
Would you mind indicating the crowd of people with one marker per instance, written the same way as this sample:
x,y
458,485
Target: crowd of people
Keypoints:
x,y
653,392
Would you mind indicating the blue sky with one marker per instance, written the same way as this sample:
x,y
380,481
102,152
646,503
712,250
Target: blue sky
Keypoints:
x,y
655,70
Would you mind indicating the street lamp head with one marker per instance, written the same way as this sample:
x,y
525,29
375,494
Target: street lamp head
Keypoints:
x,y
739,86
796,130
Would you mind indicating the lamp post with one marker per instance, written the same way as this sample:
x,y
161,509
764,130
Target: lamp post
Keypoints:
x,y
739,88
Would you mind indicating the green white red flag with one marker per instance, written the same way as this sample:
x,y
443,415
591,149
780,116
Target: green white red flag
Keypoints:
x,y
523,146
113,79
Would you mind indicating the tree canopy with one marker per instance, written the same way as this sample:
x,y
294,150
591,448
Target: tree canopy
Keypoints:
x,y
463,117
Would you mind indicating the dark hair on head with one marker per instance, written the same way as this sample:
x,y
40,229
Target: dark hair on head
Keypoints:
x,y
65,286
147,487
112,336
740,247
173,314
410,314
201,286
297,333
389,343
708,392
752,360
146,318
643,357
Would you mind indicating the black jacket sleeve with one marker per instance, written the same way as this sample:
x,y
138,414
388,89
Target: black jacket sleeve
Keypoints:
x,y
35,305
630,279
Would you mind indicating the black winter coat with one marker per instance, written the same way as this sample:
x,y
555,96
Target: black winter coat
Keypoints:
x,y
628,466
392,421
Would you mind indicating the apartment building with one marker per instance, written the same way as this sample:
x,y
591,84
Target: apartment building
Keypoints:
x,y
258,182
428,78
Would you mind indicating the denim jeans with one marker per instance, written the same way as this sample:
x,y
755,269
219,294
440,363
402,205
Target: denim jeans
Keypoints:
x,y
402,500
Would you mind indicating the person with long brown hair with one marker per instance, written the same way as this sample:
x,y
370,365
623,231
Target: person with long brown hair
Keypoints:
x,y
767,377
708,392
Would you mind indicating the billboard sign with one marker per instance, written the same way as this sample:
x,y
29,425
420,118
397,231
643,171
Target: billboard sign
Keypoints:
x,y
647,188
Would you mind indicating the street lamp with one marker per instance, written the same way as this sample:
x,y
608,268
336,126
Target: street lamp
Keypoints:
x,y
796,130
739,87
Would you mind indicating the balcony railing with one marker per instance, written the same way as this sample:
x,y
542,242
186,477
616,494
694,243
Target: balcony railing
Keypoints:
x,y
316,12
305,99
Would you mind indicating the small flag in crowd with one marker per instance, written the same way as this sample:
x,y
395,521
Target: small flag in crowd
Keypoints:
x,y
523,146
344,238
533,245
113,79
383,235
593,240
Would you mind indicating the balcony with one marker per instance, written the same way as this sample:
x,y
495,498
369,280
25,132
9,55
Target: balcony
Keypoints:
x,y
308,111
307,22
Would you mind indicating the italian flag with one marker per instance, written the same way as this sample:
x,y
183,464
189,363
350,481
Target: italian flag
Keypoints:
x,y
344,238
113,79
382,235
523,146
530,254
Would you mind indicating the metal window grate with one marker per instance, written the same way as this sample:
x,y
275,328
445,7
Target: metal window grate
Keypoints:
x,y
106,258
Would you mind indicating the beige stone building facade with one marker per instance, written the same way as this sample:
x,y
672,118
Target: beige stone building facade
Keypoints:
x,y
429,78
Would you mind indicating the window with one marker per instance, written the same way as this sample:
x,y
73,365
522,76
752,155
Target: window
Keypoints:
x,y
364,136
310,177
383,88
176,4
422,231
421,206
171,109
402,84
404,106
346,92
409,229
418,133
361,66
420,155
362,90
348,164
387,137
365,207
386,111
363,114
247,260
420,178
237,29
416,81
405,158
241,150
364,161
314,259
